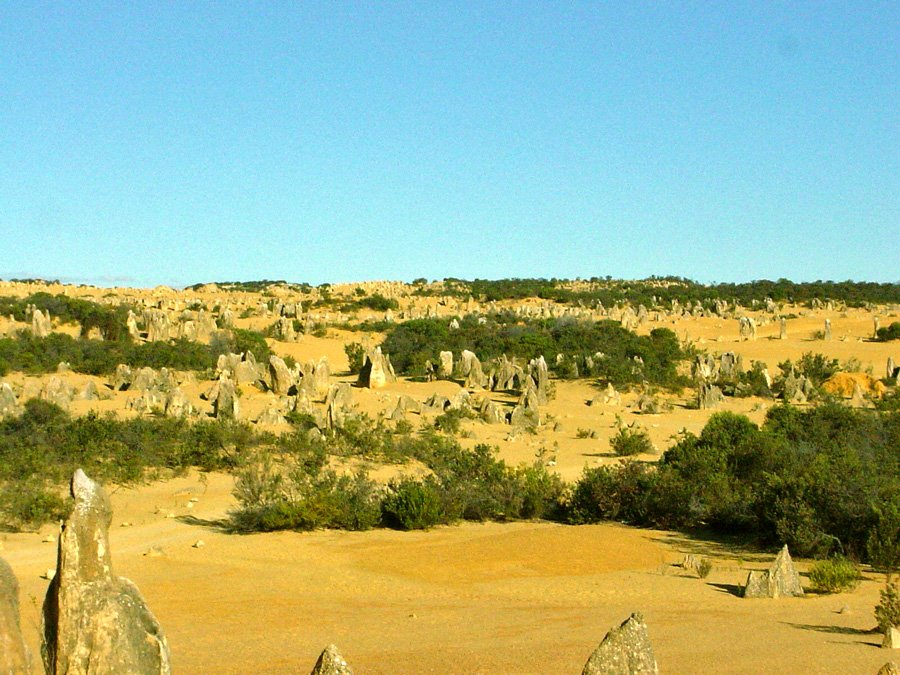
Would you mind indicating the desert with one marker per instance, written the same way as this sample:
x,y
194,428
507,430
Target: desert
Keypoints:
x,y
240,586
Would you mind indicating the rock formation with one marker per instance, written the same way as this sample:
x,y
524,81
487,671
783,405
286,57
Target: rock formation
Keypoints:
x,y
331,663
225,403
14,657
625,650
780,580
709,396
9,406
93,621
377,370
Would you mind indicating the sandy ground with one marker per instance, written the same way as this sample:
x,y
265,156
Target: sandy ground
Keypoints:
x,y
474,598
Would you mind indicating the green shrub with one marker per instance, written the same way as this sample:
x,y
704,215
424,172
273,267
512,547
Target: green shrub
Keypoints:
x,y
449,422
413,505
834,575
356,354
631,440
887,612
887,333
704,567
29,504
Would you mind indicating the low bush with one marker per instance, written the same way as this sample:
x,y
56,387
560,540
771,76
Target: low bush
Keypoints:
x,y
887,611
413,505
835,575
887,333
631,440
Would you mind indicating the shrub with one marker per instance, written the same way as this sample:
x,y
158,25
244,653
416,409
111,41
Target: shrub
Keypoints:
x,y
449,422
413,505
704,567
631,440
891,332
29,504
355,356
887,612
834,575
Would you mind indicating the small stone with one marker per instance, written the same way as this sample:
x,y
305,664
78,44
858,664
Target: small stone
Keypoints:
x,y
49,539
170,514
125,524
199,543
844,610
154,552
49,573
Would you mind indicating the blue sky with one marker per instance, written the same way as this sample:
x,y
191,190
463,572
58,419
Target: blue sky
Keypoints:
x,y
173,142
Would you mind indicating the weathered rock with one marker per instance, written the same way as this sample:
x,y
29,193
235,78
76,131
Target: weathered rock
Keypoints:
x,y
93,621
445,367
280,376
891,638
226,405
377,370
123,377
540,377
471,371
437,402
89,392
709,396
780,580
177,404
490,412
41,324
782,328
889,668
150,401
9,406
827,332
523,417
57,391
331,663
14,656
337,405
625,650
648,405
272,416
747,328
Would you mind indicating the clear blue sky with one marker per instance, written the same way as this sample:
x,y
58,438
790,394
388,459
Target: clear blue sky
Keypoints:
x,y
178,142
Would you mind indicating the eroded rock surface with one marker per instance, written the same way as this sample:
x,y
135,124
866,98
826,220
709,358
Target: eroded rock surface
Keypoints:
x,y
94,621
625,650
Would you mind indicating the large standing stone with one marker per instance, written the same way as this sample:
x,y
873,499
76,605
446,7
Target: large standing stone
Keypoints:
x,y
225,405
780,580
41,324
445,368
14,657
331,663
93,621
280,375
377,370
625,650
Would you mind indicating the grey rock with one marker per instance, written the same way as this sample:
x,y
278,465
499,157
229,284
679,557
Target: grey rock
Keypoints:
x,y
625,650
280,375
331,663
780,580
94,621
226,405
